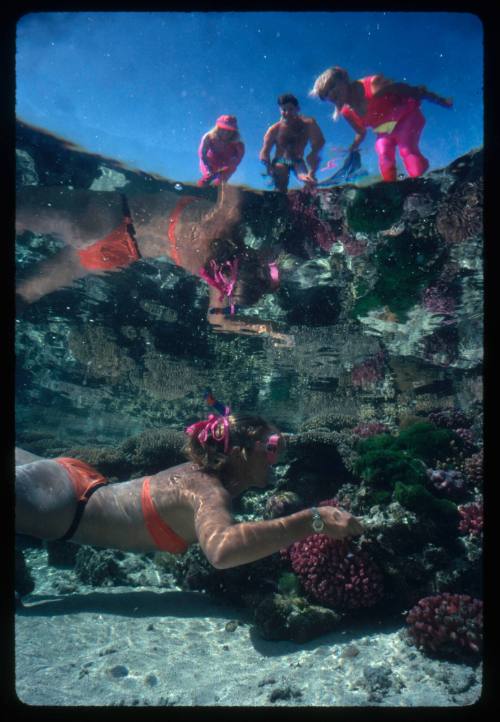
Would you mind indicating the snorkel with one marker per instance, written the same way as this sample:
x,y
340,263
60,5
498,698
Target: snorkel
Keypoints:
x,y
217,405
227,287
223,283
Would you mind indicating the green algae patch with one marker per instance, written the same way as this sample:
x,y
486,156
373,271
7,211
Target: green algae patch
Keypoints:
x,y
375,208
394,468
404,266
382,468
417,498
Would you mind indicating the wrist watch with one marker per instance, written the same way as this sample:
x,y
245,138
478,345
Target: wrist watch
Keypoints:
x,y
317,522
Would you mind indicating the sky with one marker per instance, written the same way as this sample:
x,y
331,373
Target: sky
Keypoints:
x,y
144,87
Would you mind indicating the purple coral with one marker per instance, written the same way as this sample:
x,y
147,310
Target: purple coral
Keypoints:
x,y
451,482
437,300
449,625
369,428
335,573
369,371
473,467
302,205
468,439
471,518
449,419
353,246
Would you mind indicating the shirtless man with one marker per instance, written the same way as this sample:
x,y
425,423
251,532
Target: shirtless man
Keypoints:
x,y
290,135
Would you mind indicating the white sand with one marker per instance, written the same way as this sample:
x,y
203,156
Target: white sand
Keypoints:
x,y
156,647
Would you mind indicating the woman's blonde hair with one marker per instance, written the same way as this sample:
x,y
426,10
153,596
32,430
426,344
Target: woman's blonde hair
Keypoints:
x,y
244,431
233,138
323,82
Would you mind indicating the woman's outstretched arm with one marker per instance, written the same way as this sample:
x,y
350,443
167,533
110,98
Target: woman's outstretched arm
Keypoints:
x,y
228,544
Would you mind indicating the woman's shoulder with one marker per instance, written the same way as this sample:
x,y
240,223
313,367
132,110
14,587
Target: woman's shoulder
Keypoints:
x,y
191,476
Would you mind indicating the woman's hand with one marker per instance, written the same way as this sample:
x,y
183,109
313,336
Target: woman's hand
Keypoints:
x,y
282,340
339,524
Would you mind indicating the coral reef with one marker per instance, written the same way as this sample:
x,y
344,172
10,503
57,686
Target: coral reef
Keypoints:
x,y
304,211
362,297
193,572
460,215
471,518
373,209
395,468
369,371
279,617
447,625
282,504
473,468
451,482
99,568
369,428
405,266
154,450
418,499
449,419
353,246
97,349
437,299
336,573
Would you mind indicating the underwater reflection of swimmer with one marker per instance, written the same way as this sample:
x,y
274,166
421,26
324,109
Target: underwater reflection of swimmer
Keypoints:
x,y
107,231
66,499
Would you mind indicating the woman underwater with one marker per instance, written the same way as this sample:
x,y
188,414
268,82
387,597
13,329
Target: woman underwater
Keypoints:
x,y
66,499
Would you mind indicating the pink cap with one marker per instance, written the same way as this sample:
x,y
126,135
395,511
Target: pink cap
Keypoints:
x,y
227,122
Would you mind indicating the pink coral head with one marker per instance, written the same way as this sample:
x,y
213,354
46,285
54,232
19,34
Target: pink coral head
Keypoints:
x,y
450,625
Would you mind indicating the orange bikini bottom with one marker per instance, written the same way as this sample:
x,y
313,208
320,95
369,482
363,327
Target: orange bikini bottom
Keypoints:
x,y
116,250
85,480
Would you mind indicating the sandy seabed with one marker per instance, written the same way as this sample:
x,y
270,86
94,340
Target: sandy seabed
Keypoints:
x,y
147,646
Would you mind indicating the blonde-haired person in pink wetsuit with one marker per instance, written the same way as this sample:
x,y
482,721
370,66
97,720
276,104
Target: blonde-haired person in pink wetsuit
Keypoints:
x,y
220,151
391,108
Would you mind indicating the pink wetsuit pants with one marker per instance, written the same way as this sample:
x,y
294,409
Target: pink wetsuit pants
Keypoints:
x,y
405,136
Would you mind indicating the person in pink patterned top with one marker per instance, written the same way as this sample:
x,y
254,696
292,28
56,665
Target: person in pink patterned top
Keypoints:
x,y
391,108
220,151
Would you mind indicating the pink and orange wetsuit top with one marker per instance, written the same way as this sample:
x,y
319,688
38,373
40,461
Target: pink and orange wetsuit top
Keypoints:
x,y
383,111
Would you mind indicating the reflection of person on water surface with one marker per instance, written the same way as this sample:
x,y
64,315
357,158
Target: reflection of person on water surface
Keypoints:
x,y
66,499
106,231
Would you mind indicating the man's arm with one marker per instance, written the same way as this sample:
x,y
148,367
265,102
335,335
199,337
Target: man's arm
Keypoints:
x,y
317,141
269,142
